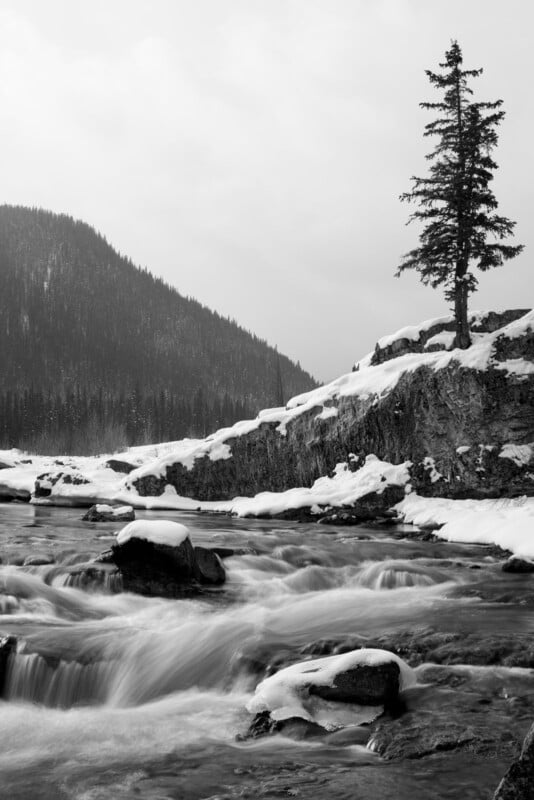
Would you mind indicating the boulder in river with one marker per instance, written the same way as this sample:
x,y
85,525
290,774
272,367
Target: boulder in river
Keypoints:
x,y
156,557
516,564
105,513
348,689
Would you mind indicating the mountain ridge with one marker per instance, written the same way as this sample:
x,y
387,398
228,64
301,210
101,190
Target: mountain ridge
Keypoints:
x,y
91,343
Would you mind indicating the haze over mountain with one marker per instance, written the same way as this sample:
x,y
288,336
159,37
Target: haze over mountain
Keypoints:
x,y
97,353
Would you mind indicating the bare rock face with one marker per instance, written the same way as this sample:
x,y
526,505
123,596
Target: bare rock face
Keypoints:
x,y
518,783
120,466
452,423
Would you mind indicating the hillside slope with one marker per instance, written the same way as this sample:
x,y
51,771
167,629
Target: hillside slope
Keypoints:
x,y
95,349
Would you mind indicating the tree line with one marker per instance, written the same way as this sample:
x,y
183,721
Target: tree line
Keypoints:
x,y
90,342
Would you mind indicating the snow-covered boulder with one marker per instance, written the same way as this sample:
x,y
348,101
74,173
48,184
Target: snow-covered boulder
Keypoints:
x,y
332,692
156,557
102,512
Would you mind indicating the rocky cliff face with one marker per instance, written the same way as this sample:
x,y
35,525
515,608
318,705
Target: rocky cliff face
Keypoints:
x,y
465,419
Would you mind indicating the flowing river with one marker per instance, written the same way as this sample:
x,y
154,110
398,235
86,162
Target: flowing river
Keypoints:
x,y
122,696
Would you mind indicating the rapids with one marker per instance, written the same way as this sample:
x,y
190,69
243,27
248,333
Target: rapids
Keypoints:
x,y
122,696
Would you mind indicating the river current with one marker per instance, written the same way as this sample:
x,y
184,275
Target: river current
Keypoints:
x,y
123,696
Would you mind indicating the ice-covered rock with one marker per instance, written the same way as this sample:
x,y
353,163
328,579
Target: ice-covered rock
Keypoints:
x,y
331,692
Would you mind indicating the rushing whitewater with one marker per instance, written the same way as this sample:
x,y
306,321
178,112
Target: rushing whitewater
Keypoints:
x,y
105,692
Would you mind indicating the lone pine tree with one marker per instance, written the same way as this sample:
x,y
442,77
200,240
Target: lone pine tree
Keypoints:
x,y
456,204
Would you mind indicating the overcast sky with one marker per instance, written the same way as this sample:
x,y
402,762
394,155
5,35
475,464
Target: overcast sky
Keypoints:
x,y
252,152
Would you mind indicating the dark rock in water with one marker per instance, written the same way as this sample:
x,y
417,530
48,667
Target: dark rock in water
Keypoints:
x,y
515,564
155,569
161,570
208,566
105,513
3,465
518,783
38,561
8,493
120,466
293,727
365,685
8,645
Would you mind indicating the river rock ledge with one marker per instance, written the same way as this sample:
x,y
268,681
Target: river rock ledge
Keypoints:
x,y
518,783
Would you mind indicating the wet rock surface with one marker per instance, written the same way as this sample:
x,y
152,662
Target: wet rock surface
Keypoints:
x,y
438,647
518,783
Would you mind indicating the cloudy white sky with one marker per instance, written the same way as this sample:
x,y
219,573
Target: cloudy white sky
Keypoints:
x,y
252,151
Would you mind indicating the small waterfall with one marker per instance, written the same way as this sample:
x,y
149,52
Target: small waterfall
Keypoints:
x,y
398,574
88,577
56,684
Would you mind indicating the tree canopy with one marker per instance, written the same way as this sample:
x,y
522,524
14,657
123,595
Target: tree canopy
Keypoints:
x,y
456,204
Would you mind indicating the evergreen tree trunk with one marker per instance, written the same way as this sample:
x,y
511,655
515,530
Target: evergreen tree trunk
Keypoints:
x,y
463,337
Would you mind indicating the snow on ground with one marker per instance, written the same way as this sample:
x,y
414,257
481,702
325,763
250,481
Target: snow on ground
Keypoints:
x,y
506,522
157,531
114,511
285,694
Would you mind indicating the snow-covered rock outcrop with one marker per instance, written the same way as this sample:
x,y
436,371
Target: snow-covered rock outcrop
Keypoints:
x,y
463,418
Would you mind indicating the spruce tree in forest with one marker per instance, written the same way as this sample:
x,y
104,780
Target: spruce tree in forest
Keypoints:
x,y
455,202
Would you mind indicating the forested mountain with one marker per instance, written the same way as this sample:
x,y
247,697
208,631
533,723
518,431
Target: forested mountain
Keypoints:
x,y
96,353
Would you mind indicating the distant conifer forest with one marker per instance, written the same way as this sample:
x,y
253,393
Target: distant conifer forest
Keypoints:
x,y
97,355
